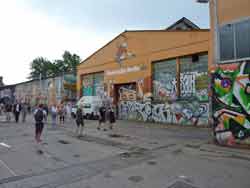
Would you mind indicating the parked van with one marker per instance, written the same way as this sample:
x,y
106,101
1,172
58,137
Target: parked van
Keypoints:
x,y
90,106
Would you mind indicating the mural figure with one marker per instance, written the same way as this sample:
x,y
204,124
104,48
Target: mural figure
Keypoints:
x,y
231,103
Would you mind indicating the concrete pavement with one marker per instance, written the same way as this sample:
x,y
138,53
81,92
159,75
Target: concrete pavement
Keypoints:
x,y
134,154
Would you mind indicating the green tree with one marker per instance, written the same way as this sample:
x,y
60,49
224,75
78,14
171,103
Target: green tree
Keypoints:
x,y
68,63
41,66
46,68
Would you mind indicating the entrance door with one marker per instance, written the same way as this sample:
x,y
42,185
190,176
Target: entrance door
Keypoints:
x,y
123,93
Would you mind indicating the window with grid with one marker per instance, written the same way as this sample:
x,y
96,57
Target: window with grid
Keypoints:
x,y
235,40
164,79
194,77
92,84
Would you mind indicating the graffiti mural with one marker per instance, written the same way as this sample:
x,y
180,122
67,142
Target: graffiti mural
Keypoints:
x,y
231,103
176,113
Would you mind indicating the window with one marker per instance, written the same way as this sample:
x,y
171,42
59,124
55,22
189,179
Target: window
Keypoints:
x,y
194,77
92,84
227,43
164,79
235,41
242,31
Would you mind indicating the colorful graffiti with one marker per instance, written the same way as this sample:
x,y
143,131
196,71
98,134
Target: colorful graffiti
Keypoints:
x,y
231,103
187,113
192,84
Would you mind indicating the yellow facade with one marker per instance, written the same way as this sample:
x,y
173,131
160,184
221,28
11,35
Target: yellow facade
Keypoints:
x,y
143,47
228,11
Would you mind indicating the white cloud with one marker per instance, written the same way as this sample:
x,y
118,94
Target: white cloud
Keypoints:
x,y
25,35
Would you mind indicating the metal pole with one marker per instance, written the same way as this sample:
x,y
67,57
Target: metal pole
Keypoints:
x,y
216,33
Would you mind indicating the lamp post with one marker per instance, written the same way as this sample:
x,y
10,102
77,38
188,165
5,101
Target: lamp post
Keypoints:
x,y
214,3
216,57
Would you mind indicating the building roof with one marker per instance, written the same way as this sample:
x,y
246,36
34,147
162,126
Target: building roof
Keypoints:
x,y
190,26
183,24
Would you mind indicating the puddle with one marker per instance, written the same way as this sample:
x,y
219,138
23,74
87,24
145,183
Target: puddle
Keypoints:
x,y
76,155
178,151
152,163
135,179
63,142
118,136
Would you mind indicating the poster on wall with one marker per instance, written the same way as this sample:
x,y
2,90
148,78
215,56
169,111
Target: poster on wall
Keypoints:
x,y
231,103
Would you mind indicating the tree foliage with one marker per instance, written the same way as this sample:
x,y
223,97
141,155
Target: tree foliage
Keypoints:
x,y
46,68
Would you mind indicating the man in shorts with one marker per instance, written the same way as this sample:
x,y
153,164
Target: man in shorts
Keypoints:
x,y
39,115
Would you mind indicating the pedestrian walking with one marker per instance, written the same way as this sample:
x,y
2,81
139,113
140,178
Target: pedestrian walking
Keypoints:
x,y
39,115
61,113
79,121
24,111
8,110
102,116
53,113
68,111
111,116
16,110
46,109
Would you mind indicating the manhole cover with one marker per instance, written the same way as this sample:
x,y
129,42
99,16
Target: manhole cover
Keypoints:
x,y
181,184
135,179
63,141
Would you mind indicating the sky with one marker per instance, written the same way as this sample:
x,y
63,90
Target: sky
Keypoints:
x,y
46,28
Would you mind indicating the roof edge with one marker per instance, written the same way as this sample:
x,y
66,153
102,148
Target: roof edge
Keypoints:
x,y
125,31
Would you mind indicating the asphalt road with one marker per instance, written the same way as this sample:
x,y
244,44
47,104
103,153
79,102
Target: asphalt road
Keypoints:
x,y
132,155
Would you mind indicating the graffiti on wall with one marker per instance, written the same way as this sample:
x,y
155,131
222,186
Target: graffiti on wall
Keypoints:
x,y
165,86
231,103
176,113
191,84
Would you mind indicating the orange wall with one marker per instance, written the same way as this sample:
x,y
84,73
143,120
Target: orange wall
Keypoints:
x,y
228,11
148,46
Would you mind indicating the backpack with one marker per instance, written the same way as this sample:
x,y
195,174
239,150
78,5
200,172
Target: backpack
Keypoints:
x,y
39,115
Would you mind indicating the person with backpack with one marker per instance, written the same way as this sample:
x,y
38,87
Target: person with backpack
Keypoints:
x,y
39,115
79,121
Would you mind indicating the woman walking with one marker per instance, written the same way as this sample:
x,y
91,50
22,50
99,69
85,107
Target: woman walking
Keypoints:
x,y
53,116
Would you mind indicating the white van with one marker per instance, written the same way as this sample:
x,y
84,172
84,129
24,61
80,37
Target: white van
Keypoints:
x,y
90,106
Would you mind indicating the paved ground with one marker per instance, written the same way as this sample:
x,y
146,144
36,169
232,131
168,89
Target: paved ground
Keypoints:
x,y
132,155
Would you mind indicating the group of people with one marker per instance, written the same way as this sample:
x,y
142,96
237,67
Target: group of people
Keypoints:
x,y
40,117
17,109
59,113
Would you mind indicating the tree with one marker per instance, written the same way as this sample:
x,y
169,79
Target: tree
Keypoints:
x,y
46,68
68,63
41,66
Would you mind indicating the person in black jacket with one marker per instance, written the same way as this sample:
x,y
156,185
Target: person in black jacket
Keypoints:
x,y
16,110
102,116
111,115
79,121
